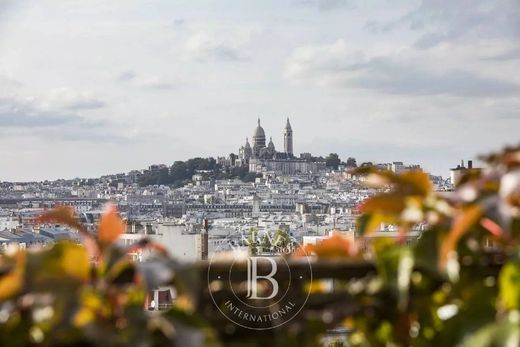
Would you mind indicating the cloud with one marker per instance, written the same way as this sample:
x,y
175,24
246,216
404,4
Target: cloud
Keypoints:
x,y
21,118
9,83
325,5
70,99
127,75
204,47
447,20
511,54
144,81
511,114
456,22
393,77
338,66
25,114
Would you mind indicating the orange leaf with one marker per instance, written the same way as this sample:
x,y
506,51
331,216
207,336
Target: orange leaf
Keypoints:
x,y
110,226
12,282
416,182
66,215
463,222
335,246
62,215
386,203
304,251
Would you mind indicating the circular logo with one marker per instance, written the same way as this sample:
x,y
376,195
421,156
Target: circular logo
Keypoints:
x,y
252,284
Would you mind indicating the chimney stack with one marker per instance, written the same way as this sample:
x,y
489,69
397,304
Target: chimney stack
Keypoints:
x,y
204,240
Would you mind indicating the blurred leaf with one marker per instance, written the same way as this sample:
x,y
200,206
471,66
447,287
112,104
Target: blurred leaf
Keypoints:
x,y
11,282
371,222
303,251
415,183
62,215
477,309
335,246
146,244
462,224
404,271
384,203
66,215
63,263
110,226
426,250
412,182
492,227
157,271
121,272
509,281
494,335
395,264
318,286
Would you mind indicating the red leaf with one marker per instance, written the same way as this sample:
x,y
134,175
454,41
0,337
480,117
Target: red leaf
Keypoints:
x,y
66,215
492,227
62,215
304,251
391,203
462,224
335,246
110,226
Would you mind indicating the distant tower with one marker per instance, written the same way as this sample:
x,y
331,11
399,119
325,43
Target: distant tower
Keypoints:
x,y
245,152
270,146
287,139
258,139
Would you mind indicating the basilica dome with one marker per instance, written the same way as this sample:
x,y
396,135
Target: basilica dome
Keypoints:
x,y
259,131
258,138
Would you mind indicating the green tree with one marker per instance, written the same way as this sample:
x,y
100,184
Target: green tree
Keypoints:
x,y
351,162
333,161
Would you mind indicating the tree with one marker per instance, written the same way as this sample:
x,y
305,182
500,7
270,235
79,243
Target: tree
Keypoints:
x,y
351,162
333,161
233,157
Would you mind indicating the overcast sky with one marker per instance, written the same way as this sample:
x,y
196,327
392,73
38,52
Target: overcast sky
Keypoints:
x,y
95,87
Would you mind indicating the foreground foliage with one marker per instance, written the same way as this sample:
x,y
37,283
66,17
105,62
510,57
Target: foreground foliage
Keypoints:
x,y
459,285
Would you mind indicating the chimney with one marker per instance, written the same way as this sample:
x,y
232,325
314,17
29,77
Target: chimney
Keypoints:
x,y
470,164
204,239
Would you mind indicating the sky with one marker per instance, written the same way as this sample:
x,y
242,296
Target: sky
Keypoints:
x,y
94,87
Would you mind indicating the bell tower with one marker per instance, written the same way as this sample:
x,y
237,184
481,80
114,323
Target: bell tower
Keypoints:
x,y
288,139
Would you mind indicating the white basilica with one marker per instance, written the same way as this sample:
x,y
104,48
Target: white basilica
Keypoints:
x,y
261,158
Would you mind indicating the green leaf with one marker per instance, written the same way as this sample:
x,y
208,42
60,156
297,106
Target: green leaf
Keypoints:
x,y
509,281
64,263
494,335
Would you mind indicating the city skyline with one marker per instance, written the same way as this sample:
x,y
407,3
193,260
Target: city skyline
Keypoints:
x,y
262,151
98,88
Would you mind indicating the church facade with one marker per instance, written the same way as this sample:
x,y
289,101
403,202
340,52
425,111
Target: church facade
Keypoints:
x,y
260,157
